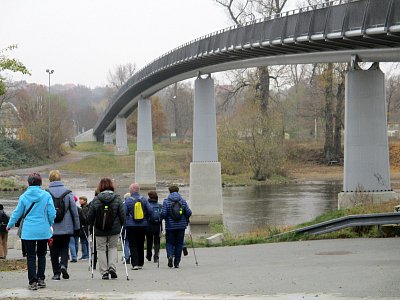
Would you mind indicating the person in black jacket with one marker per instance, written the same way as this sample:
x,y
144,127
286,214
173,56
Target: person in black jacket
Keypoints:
x,y
107,215
84,233
4,218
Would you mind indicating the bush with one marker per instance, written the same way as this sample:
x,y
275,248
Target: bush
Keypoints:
x,y
15,153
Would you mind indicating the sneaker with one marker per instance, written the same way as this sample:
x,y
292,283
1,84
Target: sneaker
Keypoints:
x,y
135,268
33,286
105,276
140,267
56,277
113,273
176,266
64,272
41,284
170,261
185,252
74,260
84,258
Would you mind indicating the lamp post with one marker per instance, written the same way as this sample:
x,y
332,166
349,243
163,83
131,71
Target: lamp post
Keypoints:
x,y
49,145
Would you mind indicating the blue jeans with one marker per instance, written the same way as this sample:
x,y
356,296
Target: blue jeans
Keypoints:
x,y
85,248
74,246
127,252
35,248
174,244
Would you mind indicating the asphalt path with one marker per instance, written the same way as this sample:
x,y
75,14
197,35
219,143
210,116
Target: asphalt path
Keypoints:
x,y
323,269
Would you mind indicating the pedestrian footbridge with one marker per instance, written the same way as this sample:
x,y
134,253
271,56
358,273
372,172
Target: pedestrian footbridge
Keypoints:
x,y
337,31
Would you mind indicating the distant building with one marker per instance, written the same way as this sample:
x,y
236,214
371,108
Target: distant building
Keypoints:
x,y
10,121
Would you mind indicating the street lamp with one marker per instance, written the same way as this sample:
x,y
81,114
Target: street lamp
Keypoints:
x,y
49,145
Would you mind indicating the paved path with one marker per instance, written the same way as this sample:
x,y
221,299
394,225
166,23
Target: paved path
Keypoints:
x,y
324,270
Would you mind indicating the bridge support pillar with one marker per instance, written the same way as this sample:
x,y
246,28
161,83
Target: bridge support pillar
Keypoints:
x,y
205,191
366,151
108,138
121,137
145,166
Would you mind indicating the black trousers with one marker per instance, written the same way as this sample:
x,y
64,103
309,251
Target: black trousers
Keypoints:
x,y
59,249
35,248
136,235
152,238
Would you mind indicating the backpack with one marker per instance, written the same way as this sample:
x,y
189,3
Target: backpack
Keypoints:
x,y
104,217
138,213
4,221
176,210
59,205
155,217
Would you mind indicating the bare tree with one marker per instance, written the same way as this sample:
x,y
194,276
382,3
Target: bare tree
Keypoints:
x,y
120,74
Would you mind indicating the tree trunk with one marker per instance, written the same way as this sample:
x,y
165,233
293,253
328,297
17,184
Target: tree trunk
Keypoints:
x,y
264,88
339,118
328,147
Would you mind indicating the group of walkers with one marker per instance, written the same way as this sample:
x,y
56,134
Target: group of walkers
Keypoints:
x,y
51,218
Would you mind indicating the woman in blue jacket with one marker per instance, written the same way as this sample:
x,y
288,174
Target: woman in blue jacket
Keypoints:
x,y
38,208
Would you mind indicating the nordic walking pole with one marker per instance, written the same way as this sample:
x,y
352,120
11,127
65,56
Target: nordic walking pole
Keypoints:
x,y
123,253
191,239
92,251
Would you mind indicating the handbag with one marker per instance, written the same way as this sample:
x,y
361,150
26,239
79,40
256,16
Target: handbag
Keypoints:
x,y
21,220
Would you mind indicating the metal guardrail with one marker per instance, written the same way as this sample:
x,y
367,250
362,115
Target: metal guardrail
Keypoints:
x,y
348,221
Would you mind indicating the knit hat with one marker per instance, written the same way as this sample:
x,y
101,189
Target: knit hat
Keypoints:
x,y
134,188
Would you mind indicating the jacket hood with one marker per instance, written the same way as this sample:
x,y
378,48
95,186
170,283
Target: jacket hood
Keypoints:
x,y
106,196
153,200
174,196
34,193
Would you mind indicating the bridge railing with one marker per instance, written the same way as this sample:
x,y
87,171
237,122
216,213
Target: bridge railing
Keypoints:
x,y
323,22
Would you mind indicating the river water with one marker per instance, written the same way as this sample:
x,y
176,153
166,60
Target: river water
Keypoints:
x,y
245,208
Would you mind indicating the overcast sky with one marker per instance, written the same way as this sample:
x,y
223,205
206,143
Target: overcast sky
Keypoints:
x,y
83,39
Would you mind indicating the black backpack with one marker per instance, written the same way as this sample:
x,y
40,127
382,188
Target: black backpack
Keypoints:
x,y
59,205
4,221
176,210
104,216
155,217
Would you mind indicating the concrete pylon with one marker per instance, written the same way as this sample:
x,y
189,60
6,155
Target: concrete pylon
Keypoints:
x,y
121,137
145,165
205,191
366,151
108,138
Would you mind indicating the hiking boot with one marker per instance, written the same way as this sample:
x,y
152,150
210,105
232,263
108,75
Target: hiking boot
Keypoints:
x,y
41,284
56,277
33,286
185,251
112,273
135,268
105,276
170,261
64,272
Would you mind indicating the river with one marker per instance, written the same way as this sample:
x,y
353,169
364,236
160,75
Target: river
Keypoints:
x,y
245,208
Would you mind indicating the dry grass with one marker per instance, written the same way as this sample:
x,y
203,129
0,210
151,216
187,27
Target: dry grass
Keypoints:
x,y
12,265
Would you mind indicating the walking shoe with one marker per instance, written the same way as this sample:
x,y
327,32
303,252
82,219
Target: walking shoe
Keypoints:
x,y
176,266
185,252
74,260
56,277
148,258
33,286
64,272
170,261
135,268
41,284
105,276
84,258
140,267
112,273
156,259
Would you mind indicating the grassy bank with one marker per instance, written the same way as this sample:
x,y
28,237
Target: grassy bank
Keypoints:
x,y
10,184
266,235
